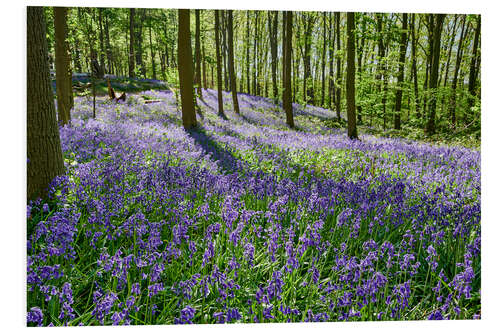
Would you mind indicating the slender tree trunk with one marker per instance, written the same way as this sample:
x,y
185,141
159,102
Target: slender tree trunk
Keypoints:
x,y
139,40
309,89
436,42
153,65
463,34
361,46
247,48
186,70
338,81
450,47
232,75
473,67
331,59
273,38
204,66
224,49
382,48
219,70
323,62
414,64
162,65
254,69
109,54
101,42
287,68
197,52
131,53
402,56
76,46
63,70
45,160
352,132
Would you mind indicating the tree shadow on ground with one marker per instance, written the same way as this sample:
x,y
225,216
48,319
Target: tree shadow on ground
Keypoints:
x,y
227,160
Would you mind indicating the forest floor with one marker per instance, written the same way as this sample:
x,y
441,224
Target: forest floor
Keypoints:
x,y
245,220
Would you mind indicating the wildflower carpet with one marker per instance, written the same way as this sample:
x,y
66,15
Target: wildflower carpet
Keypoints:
x,y
244,220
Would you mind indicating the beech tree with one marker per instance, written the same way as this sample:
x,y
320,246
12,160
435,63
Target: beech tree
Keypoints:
x,y
219,70
352,132
287,60
184,58
231,61
45,160
436,49
402,56
64,87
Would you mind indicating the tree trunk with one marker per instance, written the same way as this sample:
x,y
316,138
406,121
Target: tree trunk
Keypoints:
x,y
352,132
323,62
64,87
309,89
247,48
204,66
436,48
331,59
287,68
273,38
219,70
101,43
361,46
254,69
153,65
224,49
109,55
45,160
473,67
139,39
338,81
185,67
131,60
463,35
402,56
414,64
232,75
197,52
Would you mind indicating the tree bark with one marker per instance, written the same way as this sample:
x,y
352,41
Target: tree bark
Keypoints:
x,y
273,38
139,39
219,70
463,35
436,49
352,132
185,67
153,65
361,46
309,89
45,160
101,42
224,49
402,56
414,64
331,59
338,81
474,66
197,52
323,62
247,48
287,68
109,54
131,53
64,87
232,75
